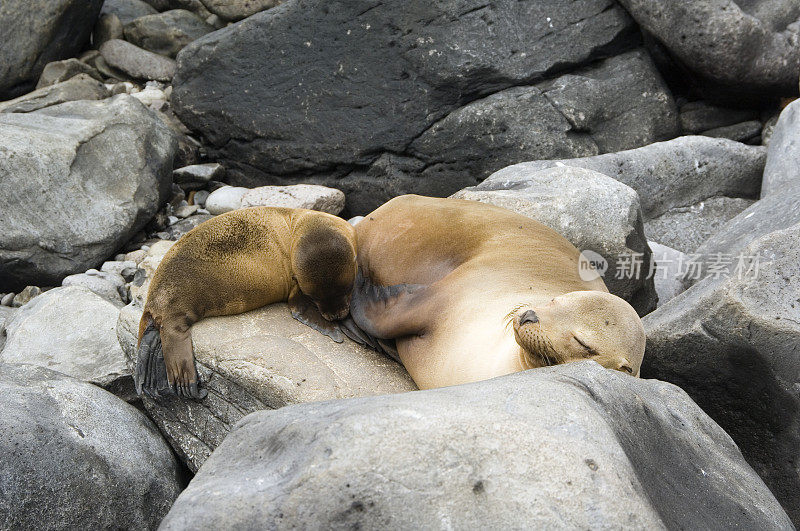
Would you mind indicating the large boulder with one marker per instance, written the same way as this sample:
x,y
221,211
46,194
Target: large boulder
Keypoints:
x,y
262,359
595,213
385,86
73,331
677,173
732,343
77,180
36,32
782,171
574,446
75,455
734,47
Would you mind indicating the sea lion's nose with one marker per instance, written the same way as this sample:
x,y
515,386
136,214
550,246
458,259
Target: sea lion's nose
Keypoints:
x,y
528,317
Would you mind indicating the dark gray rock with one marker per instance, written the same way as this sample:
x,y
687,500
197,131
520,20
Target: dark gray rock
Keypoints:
x,y
75,455
686,228
574,446
37,32
747,47
136,62
197,176
375,77
166,33
127,10
748,132
238,9
80,179
59,71
595,213
677,173
774,212
80,87
619,104
699,116
782,171
732,344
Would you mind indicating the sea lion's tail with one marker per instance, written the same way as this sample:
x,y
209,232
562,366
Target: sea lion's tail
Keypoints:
x,y
150,375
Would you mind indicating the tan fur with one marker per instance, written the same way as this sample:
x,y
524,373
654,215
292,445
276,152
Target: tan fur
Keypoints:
x,y
243,260
484,266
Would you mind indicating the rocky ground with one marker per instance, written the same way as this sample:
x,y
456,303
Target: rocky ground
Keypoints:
x,y
661,137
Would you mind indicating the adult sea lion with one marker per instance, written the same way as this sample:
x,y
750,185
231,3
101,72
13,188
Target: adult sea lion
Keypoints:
x,y
234,263
471,291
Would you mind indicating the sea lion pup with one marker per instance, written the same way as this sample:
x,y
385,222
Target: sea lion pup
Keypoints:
x,y
471,291
234,263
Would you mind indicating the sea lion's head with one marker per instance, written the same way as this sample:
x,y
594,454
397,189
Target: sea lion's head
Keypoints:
x,y
582,325
324,264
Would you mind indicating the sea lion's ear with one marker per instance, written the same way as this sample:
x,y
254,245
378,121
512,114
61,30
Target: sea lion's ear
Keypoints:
x,y
304,310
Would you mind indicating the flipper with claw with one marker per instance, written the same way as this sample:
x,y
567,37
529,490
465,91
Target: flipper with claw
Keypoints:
x,y
304,310
151,371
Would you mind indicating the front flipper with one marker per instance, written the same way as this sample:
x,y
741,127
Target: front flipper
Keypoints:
x,y
389,312
304,310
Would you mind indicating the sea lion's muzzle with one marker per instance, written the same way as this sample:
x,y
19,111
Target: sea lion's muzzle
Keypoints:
x,y
528,317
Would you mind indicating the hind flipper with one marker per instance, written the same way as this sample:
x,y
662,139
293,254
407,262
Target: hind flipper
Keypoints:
x,y
181,373
151,373
304,310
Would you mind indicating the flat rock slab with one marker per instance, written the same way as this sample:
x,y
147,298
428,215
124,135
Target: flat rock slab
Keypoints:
x,y
77,181
79,87
731,342
676,173
574,446
262,359
136,62
74,454
37,32
595,213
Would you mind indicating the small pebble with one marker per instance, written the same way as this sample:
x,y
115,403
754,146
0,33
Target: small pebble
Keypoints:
x,y
25,296
135,256
186,210
200,197
6,300
172,220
